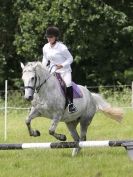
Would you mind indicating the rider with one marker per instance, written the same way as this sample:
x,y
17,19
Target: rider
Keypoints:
x,y
59,59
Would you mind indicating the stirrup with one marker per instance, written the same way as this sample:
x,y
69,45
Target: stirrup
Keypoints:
x,y
72,108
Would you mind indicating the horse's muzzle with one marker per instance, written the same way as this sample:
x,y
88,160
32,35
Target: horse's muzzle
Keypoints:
x,y
29,98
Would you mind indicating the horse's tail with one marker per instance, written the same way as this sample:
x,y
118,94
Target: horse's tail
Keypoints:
x,y
107,109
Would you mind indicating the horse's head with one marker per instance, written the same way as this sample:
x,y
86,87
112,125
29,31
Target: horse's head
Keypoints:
x,y
29,79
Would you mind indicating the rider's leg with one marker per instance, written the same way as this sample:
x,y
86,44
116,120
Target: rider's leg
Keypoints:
x,y
69,91
69,94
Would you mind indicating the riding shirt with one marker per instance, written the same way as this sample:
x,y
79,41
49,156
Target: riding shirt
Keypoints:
x,y
57,54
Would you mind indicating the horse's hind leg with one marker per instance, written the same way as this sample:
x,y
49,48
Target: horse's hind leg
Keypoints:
x,y
72,128
84,123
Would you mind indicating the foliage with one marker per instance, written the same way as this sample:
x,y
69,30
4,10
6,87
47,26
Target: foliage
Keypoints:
x,y
119,95
8,56
98,34
15,99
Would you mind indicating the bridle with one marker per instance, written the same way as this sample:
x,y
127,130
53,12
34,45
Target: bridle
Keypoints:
x,y
37,89
32,88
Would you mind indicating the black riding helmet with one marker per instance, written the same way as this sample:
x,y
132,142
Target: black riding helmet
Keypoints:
x,y
52,31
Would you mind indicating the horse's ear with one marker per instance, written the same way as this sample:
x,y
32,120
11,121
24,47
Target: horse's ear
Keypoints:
x,y
22,65
35,65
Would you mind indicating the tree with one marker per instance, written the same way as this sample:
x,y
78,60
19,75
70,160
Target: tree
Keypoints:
x,y
92,30
98,34
8,62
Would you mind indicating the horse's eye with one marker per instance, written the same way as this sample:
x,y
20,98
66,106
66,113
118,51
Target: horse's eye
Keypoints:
x,y
32,79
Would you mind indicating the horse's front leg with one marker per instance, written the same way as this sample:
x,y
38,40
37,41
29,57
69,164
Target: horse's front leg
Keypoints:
x,y
52,129
33,114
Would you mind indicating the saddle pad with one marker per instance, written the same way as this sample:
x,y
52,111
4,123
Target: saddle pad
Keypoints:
x,y
76,90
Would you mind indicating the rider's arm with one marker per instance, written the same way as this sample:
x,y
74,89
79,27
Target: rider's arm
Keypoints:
x,y
45,61
67,55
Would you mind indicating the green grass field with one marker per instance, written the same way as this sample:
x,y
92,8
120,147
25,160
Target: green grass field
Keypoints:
x,y
91,162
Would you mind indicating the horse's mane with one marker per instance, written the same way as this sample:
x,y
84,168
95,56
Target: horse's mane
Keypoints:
x,y
33,64
36,65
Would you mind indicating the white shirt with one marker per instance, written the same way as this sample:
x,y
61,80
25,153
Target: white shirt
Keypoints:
x,y
57,54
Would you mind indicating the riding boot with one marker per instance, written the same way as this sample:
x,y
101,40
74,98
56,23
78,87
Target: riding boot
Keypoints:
x,y
69,94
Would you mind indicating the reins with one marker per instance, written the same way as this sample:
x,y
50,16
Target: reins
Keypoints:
x,y
39,87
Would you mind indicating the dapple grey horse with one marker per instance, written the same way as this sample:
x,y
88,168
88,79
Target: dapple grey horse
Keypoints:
x,y
43,89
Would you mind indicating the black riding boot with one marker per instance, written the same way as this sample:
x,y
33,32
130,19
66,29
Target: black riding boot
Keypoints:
x,y
69,94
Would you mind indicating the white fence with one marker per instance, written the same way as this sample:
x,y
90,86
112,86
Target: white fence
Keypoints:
x,y
6,107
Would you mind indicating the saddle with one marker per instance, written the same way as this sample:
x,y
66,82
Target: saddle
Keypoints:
x,y
76,90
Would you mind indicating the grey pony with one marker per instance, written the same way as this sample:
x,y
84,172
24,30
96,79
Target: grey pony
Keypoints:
x,y
43,90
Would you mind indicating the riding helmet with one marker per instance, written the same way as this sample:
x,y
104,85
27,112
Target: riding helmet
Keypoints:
x,y
52,31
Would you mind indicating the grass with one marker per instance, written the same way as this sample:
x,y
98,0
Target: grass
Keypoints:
x,y
91,162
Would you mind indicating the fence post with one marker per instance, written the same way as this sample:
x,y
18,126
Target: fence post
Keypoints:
x,y
132,95
5,121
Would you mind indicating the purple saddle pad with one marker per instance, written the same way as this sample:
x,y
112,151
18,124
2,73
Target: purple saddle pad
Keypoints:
x,y
76,90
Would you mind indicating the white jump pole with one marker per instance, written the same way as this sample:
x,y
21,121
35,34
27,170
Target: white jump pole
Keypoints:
x,y
5,117
127,144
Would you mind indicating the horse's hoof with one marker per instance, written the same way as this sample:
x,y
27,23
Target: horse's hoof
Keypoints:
x,y
36,133
62,138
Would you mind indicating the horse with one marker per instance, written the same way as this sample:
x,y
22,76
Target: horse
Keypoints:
x,y
47,100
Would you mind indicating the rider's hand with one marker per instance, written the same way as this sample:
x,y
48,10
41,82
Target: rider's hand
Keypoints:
x,y
59,66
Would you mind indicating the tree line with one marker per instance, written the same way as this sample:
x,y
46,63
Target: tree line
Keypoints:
x,y
98,33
